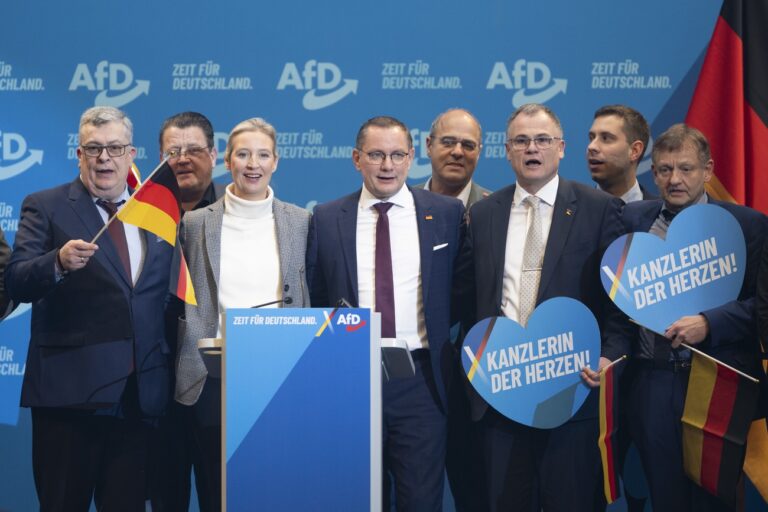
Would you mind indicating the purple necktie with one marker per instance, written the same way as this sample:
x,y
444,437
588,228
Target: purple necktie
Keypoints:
x,y
385,289
117,234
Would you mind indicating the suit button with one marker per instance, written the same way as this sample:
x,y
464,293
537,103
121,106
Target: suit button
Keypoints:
x,y
285,288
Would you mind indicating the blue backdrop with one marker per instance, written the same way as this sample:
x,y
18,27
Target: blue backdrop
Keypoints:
x,y
316,71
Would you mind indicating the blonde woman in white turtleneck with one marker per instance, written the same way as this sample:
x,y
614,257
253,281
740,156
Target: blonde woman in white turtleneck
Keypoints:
x,y
246,249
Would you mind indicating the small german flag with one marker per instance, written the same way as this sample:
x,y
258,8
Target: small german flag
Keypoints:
x,y
156,207
181,283
719,407
609,421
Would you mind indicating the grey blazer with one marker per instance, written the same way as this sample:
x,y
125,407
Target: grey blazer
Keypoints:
x,y
200,237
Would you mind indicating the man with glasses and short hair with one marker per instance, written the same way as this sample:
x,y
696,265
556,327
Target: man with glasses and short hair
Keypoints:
x,y
187,140
618,139
454,145
97,373
388,247
682,166
189,437
540,238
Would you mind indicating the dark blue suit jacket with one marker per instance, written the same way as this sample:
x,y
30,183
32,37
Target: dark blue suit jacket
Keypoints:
x,y
584,222
86,327
332,264
733,333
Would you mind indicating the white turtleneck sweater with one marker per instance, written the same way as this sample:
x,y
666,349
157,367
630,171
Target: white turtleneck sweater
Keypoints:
x,y
250,261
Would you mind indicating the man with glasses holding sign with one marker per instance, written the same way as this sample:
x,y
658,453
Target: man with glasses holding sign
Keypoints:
x,y
538,239
97,373
682,166
391,249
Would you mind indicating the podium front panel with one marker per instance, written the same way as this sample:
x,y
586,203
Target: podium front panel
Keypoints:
x,y
302,410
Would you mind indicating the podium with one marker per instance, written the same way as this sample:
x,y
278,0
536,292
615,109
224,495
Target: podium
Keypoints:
x,y
301,410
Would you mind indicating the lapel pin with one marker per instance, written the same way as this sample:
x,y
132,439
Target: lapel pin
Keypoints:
x,y
568,211
427,217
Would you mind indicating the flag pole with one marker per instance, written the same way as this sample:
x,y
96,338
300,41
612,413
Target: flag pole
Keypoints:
x,y
704,354
141,184
612,363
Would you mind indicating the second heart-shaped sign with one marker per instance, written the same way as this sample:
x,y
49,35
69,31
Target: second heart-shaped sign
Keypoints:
x,y
699,266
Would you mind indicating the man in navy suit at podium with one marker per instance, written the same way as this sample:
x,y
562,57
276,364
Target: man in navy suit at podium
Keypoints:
x,y
391,248
97,371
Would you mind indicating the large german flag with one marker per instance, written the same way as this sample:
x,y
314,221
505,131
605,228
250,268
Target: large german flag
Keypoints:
x,y
719,407
730,103
156,205
609,422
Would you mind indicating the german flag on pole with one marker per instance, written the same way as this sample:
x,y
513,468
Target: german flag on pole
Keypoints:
x,y
156,207
719,407
609,421
181,283
730,103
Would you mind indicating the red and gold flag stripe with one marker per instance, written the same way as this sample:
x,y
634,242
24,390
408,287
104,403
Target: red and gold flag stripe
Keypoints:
x,y
719,407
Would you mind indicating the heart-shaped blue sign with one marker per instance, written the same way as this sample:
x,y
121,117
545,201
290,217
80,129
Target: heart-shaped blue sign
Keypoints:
x,y
532,375
700,266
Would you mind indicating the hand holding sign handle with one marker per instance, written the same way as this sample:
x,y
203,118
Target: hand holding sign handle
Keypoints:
x,y
703,354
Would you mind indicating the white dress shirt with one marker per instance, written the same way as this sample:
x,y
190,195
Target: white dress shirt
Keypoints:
x,y
463,195
406,263
519,220
631,195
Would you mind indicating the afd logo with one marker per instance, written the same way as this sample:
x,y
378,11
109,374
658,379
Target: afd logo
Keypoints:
x,y
114,81
351,320
321,80
421,168
533,81
13,148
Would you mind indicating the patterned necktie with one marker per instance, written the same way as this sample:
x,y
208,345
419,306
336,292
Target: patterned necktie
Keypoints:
x,y
117,234
384,287
533,257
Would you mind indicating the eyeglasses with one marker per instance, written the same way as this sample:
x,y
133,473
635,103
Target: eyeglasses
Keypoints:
x,y
450,143
378,157
189,151
542,142
246,155
113,150
666,171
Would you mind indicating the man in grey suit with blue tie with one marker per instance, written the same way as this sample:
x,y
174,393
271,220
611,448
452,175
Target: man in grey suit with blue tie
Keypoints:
x,y
391,249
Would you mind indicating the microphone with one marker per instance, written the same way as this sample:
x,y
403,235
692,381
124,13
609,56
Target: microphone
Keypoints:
x,y
285,300
343,303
